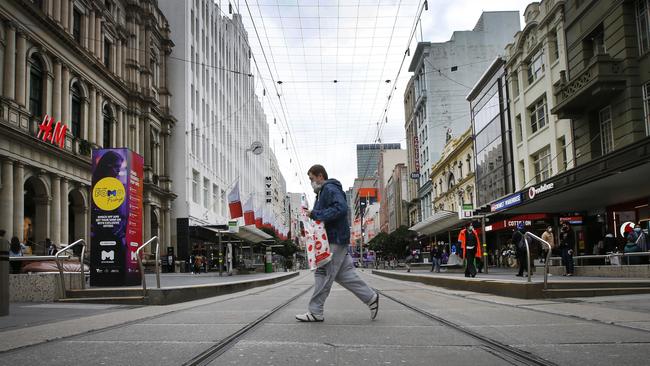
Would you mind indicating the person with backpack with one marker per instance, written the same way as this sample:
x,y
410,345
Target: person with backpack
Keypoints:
x,y
520,248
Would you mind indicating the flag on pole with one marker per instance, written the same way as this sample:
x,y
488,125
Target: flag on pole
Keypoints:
x,y
249,213
258,218
234,203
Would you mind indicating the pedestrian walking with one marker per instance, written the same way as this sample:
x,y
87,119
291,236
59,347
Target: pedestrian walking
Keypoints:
x,y
471,247
521,252
435,258
567,242
642,238
331,208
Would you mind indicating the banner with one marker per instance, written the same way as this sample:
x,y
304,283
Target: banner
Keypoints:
x,y
116,217
234,203
249,213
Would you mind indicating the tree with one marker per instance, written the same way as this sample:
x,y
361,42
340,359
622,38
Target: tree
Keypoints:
x,y
399,240
379,242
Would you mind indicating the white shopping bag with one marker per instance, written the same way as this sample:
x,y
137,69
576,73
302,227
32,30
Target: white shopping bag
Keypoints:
x,y
314,238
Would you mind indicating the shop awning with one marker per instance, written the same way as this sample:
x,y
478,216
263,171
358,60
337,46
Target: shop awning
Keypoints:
x,y
249,233
440,221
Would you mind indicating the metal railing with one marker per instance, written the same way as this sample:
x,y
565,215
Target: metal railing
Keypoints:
x,y
59,265
137,252
609,256
548,255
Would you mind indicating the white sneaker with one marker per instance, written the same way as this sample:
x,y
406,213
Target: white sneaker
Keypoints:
x,y
374,306
309,317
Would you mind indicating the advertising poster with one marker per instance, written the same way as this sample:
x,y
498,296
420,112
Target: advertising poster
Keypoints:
x,y
116,217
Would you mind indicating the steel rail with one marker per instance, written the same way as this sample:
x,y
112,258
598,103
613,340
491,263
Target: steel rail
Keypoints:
x,y
514,353
206,357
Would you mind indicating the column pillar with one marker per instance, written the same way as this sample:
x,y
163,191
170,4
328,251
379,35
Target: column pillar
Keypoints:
x,y
147,223
166,162
21,67
56,10
56,92
166,228
19,199
65,94
99,130
7,198
98,37
65,7
55,209
9,89
64,212
119,141
90,25
92,119
118,58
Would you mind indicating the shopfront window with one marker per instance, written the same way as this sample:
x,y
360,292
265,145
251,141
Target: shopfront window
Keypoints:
x,y
542,164
535,67
643,25
537,114
606,132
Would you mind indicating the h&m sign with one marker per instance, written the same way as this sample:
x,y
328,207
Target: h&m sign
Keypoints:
x,y
52,133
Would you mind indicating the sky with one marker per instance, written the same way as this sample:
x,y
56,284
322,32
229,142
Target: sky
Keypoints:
x,y
331,74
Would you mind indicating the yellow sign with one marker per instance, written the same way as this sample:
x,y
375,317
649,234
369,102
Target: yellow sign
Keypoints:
x,y
109,194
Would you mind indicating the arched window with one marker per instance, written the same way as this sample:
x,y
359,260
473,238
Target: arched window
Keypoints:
x,y
75,117
451,181
36,86
108,120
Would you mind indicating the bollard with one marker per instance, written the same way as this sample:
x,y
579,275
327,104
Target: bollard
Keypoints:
x,y
4,277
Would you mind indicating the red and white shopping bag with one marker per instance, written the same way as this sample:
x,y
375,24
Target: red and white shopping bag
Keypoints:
x,y
314,239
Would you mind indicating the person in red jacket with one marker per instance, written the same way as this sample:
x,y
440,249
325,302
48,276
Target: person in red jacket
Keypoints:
x,y
471,247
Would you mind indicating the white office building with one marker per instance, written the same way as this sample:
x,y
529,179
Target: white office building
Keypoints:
x,y
219,118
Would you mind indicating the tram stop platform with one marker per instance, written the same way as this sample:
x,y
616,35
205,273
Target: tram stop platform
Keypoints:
x,y
503,282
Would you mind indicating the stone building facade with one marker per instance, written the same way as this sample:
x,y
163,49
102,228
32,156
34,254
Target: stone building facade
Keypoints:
x,y
98,67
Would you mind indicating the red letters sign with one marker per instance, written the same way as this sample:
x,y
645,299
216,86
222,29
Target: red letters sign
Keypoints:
x,y
53,134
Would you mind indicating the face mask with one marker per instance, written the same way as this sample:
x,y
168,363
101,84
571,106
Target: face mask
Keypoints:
x,y
470,228
316,187
549,230
637,229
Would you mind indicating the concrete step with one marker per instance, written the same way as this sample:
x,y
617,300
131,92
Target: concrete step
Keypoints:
x,y
118,300
104,292
598,284
591,292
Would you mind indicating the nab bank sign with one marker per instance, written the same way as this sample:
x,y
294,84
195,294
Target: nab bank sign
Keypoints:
x,y
533,191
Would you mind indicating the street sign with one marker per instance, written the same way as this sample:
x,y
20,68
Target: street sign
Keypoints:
x,y
415,175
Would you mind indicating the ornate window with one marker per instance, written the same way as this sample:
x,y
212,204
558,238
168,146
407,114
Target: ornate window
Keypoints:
x,y
75,117
36,86
108,121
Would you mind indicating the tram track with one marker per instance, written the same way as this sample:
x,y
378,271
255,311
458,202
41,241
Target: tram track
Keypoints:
x,y
507,353
212,353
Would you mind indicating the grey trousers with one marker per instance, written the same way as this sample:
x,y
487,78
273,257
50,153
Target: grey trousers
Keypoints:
x,y
341,270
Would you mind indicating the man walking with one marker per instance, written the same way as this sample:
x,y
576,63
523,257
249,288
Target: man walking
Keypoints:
x,y
331,208
520,248
435,258
471,246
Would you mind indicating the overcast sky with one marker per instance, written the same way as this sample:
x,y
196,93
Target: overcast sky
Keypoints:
x,y
359,43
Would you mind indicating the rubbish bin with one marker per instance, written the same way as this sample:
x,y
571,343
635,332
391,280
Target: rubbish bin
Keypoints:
x,y
4,277
268,265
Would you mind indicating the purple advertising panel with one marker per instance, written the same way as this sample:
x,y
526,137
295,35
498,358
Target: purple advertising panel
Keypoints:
x,y
116,217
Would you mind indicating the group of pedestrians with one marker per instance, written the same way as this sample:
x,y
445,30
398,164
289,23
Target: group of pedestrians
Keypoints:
x,y
566,245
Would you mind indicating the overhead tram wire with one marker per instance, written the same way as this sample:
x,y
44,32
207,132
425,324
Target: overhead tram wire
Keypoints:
x,y
380,122
284,113
245,38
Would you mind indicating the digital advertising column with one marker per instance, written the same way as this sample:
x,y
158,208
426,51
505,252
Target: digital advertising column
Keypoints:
x,y
116,217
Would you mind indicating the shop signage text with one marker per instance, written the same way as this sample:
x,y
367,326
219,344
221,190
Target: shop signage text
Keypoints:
x,y
415,175
509,201
268,181
532,191
52,134
416,148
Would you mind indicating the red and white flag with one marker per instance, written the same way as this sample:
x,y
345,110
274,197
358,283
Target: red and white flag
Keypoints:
x,y
258,218
249,213
234,203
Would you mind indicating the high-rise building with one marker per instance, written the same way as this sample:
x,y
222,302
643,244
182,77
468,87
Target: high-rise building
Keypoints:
x,y
222,135
368,158
443,74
